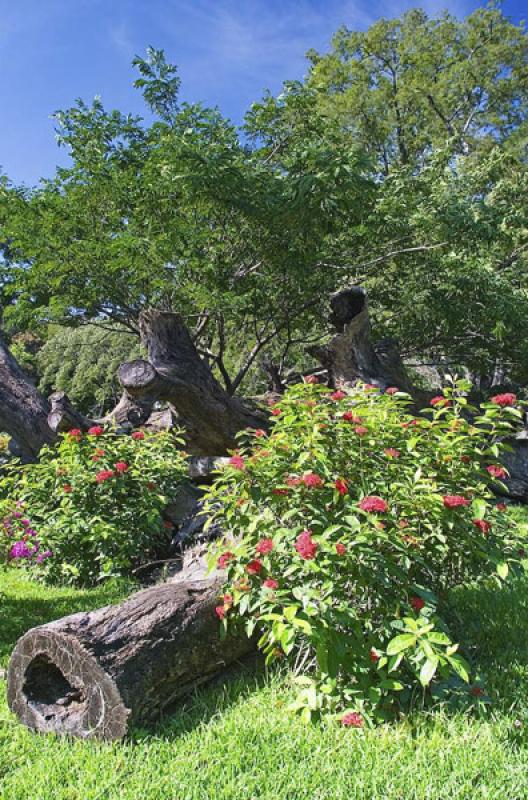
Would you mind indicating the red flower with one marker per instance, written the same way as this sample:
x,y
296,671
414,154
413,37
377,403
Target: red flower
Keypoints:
x,y
228,599
503,400
390,452
369,386
279,491
352,720
361,430
67,488
373,504
104,475
410,424
264,546
138,435
305,545
96,430
501,507
276,412
439,400
339,395
483,525
476,691
259,432
349,416
121,467
465,459
455,500
254,567
417,603
312,480
220,612
311,379
237,462
168,524
496,471
75,433
224,559
392,390
340,549
374,657
271,583
341,486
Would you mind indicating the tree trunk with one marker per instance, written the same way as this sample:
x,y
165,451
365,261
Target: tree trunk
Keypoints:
x,y
23,410
96,674
351,356
176,374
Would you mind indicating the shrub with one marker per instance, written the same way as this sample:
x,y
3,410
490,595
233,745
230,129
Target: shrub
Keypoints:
x,y
91,507
344,530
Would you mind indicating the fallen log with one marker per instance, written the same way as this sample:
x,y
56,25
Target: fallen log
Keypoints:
x,y
96,674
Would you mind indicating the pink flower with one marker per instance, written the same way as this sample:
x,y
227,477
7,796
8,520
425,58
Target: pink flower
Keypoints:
x,y
293,481
392,390
352,720
483,525
390,452
95,430
417,603
220,612
439,400
349,416
312,480
361,430
455,501
340,549
259,432
271,583
373,504
410,424
503,400
104,475
138,435
276,412
67,488
341,486
224,559
75,433
501,507
254,567
121,467
237,462
305,545
313,379
264,546
228,599
496,471
339,395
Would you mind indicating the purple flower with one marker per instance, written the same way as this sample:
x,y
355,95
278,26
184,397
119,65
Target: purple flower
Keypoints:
x,y
31,531
42,556
20,550
17,514
25,523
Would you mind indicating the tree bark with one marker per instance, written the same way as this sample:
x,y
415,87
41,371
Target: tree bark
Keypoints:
x,y
351,355
175,373
23,410
96,674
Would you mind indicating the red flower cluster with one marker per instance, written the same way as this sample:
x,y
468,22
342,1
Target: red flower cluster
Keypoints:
x,y
361,430
95,430
305,545
392,390
373,504
374,657
279,491
496,471
412,423
352,720
276,412
104,475
349,416
259,432
264,546
292,481
67,488
503,400
254,567
439,401
417,603
483,525
340,549
391,452
220,612
501,507
313,379
339,395
312,480
455,500
237,462
224,559
271,583
75,433
138,435
341,486
121,467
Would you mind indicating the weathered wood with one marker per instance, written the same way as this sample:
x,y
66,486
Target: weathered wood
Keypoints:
x,y
96,674
63,416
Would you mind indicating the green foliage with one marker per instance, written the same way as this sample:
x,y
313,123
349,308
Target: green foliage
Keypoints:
x,y
346,528
92,507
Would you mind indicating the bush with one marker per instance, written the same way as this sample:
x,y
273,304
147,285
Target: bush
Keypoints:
x,y
345,529
91,508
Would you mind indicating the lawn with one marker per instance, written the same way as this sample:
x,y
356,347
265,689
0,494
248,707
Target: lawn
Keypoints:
x,y
239,741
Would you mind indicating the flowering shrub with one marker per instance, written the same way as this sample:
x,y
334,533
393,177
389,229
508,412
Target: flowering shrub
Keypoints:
x,y
92,506
344,530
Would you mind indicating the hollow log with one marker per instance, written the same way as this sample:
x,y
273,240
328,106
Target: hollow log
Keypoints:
x,y
96,674
175,373
23,410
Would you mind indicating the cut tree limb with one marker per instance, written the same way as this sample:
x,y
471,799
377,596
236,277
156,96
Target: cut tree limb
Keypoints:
x,y
96,674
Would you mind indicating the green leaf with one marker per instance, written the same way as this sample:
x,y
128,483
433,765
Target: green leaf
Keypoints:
x,y
428,670
400,643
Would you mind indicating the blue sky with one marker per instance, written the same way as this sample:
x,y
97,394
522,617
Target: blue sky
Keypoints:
x,y
227,51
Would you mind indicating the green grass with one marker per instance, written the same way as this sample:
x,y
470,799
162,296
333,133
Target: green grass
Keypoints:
x,y
238,741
